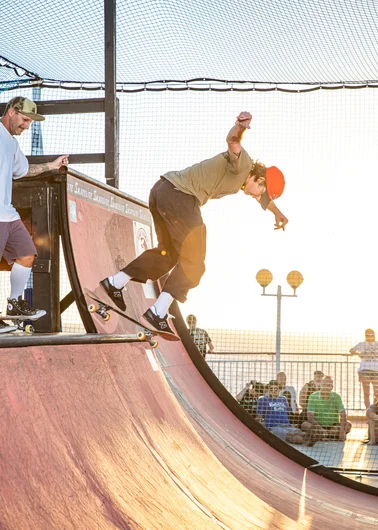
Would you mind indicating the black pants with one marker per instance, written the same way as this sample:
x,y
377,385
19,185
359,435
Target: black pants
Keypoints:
x,y
181,236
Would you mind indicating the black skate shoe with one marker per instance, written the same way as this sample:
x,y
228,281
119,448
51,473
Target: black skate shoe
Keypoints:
x,y
158,323
114,294
6,328
19,309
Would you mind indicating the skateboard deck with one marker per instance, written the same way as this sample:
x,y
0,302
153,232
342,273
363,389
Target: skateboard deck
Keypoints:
x,y
104,307
17,321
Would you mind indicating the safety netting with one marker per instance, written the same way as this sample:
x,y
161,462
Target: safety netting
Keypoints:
x,y
185,69
261,41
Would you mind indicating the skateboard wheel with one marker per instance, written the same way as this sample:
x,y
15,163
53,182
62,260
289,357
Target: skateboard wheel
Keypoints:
x,y
106,317
92,308
141,335
154,344
29,328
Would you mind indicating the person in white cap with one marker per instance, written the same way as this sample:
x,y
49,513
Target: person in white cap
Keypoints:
x,y
16,244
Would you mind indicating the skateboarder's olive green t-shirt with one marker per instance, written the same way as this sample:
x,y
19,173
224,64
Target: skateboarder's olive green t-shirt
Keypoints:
x,y
326,411
213,178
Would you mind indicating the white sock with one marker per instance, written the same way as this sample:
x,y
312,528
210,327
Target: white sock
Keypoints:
x,y
18,278
162,304
119,280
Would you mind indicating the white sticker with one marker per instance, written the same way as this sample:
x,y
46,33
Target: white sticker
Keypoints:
x,y
73,215
142,242
153,362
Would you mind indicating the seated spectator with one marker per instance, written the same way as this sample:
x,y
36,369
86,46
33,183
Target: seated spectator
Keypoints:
x,y
372,416
287,391
273,410
200,337
248,397
306,391
326,416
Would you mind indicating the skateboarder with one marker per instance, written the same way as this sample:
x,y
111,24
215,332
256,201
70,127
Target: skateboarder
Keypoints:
x,y
175,202
16,245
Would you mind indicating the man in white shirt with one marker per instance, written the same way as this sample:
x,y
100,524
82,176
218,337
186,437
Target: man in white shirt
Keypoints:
x,y
16,244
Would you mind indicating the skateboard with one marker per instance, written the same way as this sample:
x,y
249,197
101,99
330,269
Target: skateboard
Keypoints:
x,y
19,323
147,333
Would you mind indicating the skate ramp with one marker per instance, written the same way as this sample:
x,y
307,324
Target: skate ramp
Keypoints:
x,y
119,436
116,435
95,439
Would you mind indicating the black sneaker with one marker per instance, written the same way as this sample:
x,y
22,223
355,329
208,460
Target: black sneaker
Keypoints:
x,y
6,328
159,323
19,309
114,294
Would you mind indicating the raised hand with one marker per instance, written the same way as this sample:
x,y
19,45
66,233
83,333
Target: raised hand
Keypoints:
x,y
244,119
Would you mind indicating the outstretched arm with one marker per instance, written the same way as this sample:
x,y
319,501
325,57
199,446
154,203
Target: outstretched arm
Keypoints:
x,y
235,135
281,220
36,169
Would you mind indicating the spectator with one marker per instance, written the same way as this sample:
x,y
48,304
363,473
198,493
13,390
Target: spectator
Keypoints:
x,y
273,411
326,414
372,416
368,370
249,396
309,388
306,391
287,391
290,394
200,337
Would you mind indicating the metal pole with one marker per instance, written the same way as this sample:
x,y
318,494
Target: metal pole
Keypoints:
x,y
278,329
36,130
36,149
111,122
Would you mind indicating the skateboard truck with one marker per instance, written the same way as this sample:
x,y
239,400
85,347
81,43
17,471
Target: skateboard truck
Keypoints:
x,y
141,336
29,328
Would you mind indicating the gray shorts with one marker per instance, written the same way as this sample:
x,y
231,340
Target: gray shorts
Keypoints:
x,y
15,241
281,431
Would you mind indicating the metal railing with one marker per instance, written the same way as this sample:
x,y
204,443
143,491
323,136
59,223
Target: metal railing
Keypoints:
x,y
234,372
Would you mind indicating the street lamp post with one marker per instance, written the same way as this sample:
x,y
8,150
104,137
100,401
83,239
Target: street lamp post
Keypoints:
x,y
264,277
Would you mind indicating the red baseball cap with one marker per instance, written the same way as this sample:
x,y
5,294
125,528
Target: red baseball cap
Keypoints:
x,y
275,182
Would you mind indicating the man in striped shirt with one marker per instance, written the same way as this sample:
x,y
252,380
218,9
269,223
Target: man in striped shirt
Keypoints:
x,y
200,337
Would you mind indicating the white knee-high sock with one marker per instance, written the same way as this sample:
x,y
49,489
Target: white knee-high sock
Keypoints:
x,y
162,304
18,278
119,280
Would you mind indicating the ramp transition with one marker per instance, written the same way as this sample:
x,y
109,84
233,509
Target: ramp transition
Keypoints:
x,y
114,435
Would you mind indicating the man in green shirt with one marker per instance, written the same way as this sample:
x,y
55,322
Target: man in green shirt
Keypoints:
x,y
326,414
175,202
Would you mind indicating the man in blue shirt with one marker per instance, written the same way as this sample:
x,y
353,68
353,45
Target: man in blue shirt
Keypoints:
x,y
273,410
